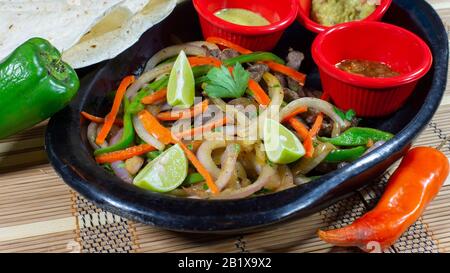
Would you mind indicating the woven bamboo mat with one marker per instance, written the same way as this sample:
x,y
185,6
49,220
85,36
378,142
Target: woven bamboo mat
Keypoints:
x,y
39,213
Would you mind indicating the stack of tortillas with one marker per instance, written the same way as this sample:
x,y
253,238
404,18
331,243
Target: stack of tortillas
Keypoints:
x,y
86,31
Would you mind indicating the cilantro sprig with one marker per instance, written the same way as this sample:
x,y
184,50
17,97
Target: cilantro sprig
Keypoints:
x,y
349,115
223,84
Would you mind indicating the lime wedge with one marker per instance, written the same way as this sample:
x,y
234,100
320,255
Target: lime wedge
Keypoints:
x,y
165,173
181,86
281,145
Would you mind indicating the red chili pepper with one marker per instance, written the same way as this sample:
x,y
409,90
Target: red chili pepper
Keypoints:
x,y
410,189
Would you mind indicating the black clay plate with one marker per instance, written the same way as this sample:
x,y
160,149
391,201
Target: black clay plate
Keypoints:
x,y
71,156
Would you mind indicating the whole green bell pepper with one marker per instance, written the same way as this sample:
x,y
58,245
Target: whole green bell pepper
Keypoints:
x,y
34,84
358,136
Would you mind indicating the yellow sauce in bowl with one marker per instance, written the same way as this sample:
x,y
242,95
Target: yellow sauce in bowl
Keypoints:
x,y
242,17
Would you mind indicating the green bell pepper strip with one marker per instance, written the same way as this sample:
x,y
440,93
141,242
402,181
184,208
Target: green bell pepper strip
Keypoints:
x,y
254,57
193,178
108,168
345,155
159,84
139,140
200,80
34,84
136,106
154,154
201,70
358,136
169,60
127,136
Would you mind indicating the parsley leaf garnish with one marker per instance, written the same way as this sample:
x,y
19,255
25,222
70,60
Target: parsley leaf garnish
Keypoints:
x,y
223,84
349,115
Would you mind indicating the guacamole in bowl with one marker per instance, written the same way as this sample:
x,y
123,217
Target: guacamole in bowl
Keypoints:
x,y
333,12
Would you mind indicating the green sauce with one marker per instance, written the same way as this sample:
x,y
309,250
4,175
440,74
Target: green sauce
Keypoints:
x,y
333,12
242,17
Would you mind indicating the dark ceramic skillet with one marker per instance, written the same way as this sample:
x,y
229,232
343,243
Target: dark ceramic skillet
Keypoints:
x,y
71,156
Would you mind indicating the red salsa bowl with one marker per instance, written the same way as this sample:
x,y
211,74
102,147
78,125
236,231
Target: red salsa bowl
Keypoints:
x,y
304,15
399,48
281,14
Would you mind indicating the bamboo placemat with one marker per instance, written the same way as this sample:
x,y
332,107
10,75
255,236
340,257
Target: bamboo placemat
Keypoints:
x,y
39,213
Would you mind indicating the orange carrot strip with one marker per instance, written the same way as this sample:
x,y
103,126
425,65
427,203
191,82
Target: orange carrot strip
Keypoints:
x,y
299,77
111,117
184,114
303,132
197,61
299,110
199,167
225,43
124,154
153,127
155,97
317,125
203,129
98,119
258,93
299,127
309,147
319,119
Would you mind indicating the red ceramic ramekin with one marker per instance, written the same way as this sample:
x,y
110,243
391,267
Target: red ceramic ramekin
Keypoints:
x,y
281,14
304,15
370,97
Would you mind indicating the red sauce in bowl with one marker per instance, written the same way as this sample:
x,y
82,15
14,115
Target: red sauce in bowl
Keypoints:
x,y
366,68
